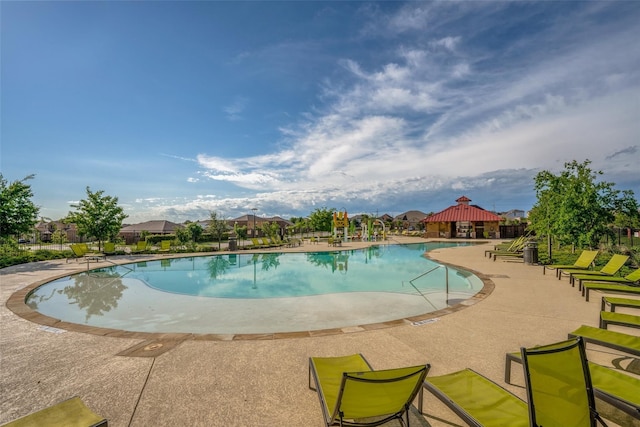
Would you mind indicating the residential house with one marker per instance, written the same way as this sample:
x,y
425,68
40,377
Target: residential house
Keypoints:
x,y
410,220
131,233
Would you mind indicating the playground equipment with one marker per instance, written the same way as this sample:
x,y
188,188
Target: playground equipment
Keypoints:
x,y
369,232
340,219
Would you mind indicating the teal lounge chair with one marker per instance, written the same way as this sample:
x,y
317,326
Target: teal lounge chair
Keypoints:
x,y
610,269
611,339
619,302
558,384
607,287
351,393
614,387
632,278
583,262
70,413
621,319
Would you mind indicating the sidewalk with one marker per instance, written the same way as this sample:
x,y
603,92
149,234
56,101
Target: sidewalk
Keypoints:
x,y
260,382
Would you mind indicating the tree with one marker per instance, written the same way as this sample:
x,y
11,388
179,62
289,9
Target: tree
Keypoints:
x,y
98,216
322,219
195,231
184,239
189,236
18,214
573,207
627,214
242,232
59,237
300,224
270,229
217,227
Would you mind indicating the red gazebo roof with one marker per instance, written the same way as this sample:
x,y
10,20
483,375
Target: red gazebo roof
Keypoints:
x,y
462,212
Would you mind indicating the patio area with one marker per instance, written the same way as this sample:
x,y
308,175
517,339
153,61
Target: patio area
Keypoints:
x,y
176,379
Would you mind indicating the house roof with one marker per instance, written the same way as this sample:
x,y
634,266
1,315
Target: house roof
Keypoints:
x,y
463,212
154,227
410,216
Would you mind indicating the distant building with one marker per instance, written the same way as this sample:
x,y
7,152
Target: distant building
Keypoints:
x,y
513,214
254,224
463,220
45,230
131,233
410,220
386,218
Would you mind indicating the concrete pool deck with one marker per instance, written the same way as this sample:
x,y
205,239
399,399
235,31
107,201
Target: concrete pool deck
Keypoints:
x,y
138,380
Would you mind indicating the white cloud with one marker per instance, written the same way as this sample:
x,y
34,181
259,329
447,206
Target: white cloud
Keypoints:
x,y
236,108
448,43
441,117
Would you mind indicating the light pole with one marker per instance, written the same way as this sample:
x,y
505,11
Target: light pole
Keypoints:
x,y
254,221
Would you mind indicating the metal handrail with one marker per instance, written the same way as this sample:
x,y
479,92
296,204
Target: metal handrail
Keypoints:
x,y
446,277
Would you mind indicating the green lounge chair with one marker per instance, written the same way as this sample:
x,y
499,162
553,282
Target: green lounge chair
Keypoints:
x,y
70,413
614,387
81,252
109,248
583,262
477,400
77,251
621,319
611,339
256,244
610,269
512,246
140,247
165,246
267,243
619,302
632,278
607,287
351,393
559,391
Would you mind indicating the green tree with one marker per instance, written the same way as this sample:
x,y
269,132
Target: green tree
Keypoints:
x,y
59,237
270,229
98,216
217,227
574,207
321,219
242,232
184,239
195,231
627,211
189,236
300,224
18,214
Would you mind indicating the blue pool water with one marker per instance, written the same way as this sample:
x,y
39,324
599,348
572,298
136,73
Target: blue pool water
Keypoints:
x,y
259,293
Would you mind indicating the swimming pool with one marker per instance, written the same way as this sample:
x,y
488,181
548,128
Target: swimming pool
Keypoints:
x,y
259,293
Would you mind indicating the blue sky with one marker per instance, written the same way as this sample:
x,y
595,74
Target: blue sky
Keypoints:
x,y
182,108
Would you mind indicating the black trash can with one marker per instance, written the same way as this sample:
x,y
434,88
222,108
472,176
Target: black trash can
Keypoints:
x,y
233,243
530,253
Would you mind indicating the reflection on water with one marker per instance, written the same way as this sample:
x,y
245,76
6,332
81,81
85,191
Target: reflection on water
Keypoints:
x,y
94,292
186,291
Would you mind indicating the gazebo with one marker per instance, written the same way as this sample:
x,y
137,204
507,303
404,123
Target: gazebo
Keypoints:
x,y
463,220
